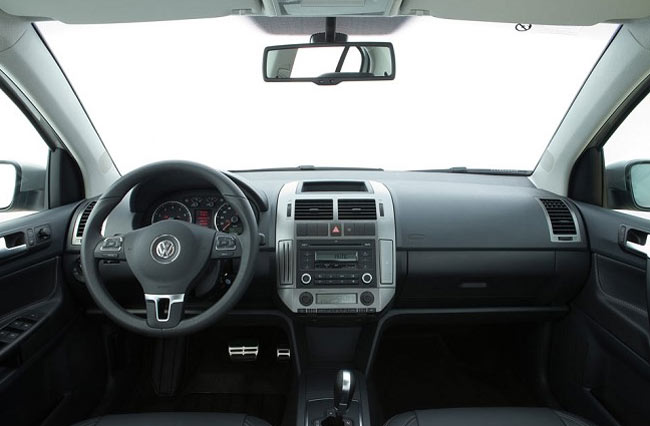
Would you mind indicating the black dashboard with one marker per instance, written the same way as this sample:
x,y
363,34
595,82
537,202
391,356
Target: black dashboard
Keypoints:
x,y
456,240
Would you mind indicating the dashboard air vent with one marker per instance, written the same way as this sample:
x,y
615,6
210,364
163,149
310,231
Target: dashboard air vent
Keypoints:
x,y
314,210
561,219
364,209
81,222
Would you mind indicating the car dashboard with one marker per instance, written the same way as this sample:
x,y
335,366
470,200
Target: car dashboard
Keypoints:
x,y
362,243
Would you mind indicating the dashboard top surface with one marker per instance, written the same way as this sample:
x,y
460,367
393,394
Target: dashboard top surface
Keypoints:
x,y
432,210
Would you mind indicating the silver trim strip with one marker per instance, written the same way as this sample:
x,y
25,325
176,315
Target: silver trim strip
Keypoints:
x,y
156,298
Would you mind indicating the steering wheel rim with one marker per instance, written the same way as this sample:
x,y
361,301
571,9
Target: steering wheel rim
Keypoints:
x,y
165,276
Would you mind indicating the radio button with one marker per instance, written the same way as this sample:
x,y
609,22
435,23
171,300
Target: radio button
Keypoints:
x,y
366,278
306,299
305,279
367,298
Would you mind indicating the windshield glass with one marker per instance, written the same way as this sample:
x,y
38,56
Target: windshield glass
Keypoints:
x,y
478,95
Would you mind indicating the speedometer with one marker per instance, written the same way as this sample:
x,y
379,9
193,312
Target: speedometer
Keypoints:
x,y
227,220
171,210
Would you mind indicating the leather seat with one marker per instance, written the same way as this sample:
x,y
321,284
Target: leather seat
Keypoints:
x,y
174,419
488,417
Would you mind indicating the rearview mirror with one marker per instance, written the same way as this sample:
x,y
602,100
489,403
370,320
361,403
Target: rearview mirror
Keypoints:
x,y
628,185
329,63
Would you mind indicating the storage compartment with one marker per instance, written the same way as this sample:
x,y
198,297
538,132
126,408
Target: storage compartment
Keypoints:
x,y
491,278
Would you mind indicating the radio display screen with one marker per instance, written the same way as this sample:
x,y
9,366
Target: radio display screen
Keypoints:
x,y
336,299
337,256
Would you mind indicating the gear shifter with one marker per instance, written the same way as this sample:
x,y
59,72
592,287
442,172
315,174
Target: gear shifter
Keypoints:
x,y
343,391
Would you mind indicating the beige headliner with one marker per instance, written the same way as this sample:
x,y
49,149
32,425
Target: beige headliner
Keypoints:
x,y
559,12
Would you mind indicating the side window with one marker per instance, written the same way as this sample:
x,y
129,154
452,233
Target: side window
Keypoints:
x,y
627,163
23,161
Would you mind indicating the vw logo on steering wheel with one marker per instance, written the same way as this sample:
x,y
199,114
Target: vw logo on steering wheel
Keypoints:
x,y
165,249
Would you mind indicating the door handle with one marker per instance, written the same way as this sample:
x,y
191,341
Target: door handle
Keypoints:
x,y
639,248
634,240
10,251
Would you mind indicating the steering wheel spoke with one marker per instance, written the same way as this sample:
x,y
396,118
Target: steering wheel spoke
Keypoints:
x,y
164,310
226,246
110,248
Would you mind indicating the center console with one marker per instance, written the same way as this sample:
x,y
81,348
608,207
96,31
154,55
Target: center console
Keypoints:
x,y
335,247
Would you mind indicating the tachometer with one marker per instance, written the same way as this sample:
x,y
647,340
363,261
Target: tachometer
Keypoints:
x,y
171,210
227,220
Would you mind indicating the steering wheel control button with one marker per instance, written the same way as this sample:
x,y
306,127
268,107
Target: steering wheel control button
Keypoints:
x,y
305,279
306,299
165,249
109,248
111,244
367,298
366,278
226,242
226,247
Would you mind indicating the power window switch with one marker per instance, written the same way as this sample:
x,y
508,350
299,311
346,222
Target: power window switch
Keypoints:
x,y
21,325
8,336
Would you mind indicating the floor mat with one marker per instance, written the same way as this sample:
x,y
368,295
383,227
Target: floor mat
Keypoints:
x,y
425,369
213,383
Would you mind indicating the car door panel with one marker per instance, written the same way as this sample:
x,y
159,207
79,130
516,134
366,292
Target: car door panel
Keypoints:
x,y
47,364
600,357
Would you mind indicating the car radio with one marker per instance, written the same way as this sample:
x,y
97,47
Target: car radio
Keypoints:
x,y
335,247
336,263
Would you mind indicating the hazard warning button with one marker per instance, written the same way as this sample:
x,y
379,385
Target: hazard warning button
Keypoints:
x,y
336,229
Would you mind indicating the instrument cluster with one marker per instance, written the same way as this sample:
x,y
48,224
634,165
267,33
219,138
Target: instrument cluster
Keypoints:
x,y
202,208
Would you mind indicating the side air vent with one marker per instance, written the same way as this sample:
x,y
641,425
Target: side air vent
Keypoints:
x,y
80,226
561,220
365,209
285,262
314,210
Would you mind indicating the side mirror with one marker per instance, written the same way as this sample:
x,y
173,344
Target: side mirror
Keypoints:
x,y
9,185
628,185
22,187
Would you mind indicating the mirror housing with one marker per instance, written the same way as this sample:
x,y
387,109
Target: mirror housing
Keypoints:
x,y
628,185
329,63
22,187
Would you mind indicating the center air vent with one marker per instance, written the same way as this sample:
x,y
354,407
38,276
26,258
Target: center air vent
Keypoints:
x,y
81,223
561,220
363,209
314,210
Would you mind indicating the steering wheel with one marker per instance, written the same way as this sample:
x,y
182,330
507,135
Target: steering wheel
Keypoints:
x,y
168,257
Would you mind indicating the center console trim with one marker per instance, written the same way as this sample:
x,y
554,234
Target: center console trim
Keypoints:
x,y
288,281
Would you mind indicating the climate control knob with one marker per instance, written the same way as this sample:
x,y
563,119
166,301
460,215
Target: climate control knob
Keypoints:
x,y
366,278
305,279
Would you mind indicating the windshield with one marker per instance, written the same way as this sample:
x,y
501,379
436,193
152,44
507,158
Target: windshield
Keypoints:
x,y
466,94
